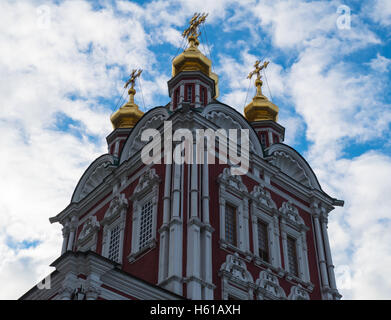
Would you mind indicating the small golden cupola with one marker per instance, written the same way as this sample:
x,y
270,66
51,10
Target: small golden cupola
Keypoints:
x,y
263,114
260,108
193,60
128,115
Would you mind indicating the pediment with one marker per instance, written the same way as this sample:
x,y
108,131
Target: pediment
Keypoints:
x,y
93,177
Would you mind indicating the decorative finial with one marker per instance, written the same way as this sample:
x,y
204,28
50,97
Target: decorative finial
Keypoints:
x,y
257,71
133,76
191,33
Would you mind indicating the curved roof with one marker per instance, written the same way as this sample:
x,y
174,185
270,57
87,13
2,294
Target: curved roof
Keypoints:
x,y
150,120
227,117
93,177
290,162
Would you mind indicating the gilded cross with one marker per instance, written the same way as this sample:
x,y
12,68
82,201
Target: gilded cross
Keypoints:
x,y
133,76
258,69
195,22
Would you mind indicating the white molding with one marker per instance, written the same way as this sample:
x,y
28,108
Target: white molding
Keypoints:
x,y
268,287
174,281
88,236
146,190
114,216
298,293
293,225
263,208
236,279
291,163
163,230
235,118
93,177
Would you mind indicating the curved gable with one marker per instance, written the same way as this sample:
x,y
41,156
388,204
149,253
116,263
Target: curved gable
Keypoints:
x,y
151,120
93,177
290,162
228,118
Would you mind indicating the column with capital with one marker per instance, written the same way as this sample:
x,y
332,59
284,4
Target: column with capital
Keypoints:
x,y
329,261
319,242
72,227
65,235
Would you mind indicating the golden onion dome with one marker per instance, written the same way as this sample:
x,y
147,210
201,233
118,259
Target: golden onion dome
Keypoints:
x,y
260,108
128,115
192,59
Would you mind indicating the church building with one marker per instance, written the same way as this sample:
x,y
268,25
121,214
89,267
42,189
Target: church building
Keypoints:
x,y
194,230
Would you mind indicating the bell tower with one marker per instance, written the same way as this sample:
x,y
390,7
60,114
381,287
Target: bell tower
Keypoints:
x,y
192,78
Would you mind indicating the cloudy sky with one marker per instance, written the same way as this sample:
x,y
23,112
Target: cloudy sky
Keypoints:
x,y
62,68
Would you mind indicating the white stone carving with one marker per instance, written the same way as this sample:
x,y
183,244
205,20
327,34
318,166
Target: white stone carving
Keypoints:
x,y
298,293
224,121
269,286
153,123
235,268
227,118
93,177
146,181
263,197
233,181
291,213
237,282
290,167
88,235
118,205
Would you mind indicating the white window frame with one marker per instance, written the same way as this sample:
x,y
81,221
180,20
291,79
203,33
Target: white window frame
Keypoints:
x,y
233,191
110,231
257,217
297,230
295,236
264,208
146,190
115,215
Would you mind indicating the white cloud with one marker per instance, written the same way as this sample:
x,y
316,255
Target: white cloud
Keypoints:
x,y
294,22
380,63
62,67
340,105
359,233
379,11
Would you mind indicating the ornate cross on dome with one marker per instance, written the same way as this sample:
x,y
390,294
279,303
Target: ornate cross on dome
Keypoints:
x,y
192,31
258,69
133,76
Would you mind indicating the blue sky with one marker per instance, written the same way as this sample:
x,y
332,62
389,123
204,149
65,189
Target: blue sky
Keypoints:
x,y
332,86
